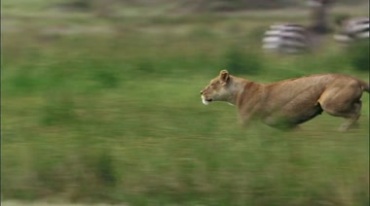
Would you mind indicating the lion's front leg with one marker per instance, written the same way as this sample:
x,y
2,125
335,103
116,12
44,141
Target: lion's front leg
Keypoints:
x,y
248,114
244,121
245,118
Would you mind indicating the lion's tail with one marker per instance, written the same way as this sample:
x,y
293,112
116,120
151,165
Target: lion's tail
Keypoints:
x,y
365,86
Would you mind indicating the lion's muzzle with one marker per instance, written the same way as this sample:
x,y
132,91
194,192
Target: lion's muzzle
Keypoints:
x,y
205,100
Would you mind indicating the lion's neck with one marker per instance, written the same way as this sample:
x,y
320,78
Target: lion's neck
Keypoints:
x,y
241,90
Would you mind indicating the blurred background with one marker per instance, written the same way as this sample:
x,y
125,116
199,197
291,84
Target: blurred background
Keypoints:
x,y
101,105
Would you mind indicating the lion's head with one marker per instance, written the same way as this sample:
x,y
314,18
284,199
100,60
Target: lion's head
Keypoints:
x,y
218,89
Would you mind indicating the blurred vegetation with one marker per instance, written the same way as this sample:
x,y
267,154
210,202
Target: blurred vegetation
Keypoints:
x,y
109,111
200,5
243,61
359,55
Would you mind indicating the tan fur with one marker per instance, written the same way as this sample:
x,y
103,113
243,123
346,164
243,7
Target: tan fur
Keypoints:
x,y
287,103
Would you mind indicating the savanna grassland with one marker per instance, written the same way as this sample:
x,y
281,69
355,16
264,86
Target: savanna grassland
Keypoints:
x,y
107,110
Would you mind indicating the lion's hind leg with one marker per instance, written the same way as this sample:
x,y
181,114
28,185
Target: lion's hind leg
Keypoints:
x,y
343,102
351,117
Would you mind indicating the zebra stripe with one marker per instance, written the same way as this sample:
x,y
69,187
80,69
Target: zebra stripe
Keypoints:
x,y
353,29
286,38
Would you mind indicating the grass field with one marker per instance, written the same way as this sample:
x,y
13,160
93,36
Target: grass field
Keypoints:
x,y
108,111
26,203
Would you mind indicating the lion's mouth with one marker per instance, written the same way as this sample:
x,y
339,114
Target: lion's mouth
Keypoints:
x,y
205,100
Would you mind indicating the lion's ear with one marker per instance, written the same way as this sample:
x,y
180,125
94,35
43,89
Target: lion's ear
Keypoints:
x,y
224,76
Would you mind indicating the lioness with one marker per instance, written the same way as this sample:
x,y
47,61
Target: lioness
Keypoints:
x,y
285,104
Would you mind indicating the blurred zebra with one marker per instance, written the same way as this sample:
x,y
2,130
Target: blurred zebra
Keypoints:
x,y
319,3
352,29
292,38
287,38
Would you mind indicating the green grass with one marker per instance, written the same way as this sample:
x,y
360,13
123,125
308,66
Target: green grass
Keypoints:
x,y
23,203
117,117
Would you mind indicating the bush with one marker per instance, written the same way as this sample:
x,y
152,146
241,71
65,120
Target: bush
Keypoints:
x,y
79,4
235,5
359,55
238,61
59,109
